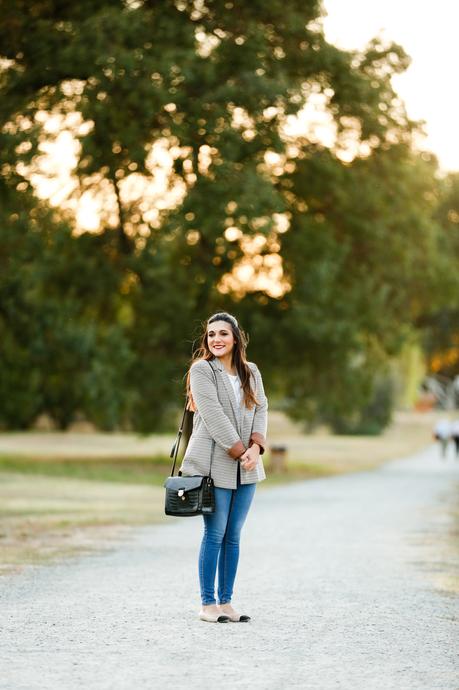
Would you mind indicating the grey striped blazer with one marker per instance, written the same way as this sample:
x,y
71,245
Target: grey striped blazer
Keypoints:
x,y
233,428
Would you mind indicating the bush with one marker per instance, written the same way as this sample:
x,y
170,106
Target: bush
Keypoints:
x,y
374,417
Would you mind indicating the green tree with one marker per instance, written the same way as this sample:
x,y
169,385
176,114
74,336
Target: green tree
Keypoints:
x,y
214,83
362,261
439,325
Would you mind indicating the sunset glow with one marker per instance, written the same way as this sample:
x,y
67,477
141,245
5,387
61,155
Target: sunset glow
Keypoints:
x,y
428,33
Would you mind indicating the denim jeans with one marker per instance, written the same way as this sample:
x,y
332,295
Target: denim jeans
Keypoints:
x,y
220,542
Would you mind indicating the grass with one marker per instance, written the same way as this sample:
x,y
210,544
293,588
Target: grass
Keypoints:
x,y
149,471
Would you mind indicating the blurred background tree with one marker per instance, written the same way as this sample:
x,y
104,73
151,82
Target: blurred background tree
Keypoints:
x,y
191,126
440,326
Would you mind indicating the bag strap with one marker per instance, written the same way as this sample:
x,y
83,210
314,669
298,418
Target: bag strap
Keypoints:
x,y
175,448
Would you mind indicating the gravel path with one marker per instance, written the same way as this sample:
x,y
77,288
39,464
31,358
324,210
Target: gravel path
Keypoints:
x,y
349,581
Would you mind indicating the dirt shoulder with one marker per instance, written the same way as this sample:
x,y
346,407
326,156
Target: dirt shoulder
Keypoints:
x,y
44,518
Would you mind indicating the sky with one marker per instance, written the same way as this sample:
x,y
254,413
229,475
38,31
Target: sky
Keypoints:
x,y
429,32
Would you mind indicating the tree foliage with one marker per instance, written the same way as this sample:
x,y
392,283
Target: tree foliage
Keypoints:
x,y
102,323
440,325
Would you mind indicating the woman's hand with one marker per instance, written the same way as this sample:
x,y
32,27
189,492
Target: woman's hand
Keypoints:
x,y
249,459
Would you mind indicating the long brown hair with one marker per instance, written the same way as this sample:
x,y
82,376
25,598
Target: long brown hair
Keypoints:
x,y
238,357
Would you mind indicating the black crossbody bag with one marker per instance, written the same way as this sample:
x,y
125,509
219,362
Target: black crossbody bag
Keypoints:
x,y
189,496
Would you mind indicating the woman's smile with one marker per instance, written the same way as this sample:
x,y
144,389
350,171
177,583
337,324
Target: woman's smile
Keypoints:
x,y
220,347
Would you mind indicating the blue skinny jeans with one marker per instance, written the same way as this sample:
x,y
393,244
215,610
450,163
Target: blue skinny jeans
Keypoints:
x,y
220,543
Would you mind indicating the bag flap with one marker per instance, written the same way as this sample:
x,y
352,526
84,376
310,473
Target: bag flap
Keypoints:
x,y
183,483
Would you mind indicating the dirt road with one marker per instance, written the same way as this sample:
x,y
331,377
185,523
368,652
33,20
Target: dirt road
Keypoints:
x,y
351,582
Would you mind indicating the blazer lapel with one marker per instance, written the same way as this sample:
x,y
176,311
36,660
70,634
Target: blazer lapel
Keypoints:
x,y
220,370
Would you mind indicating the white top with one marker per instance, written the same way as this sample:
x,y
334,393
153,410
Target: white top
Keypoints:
x,y
236,383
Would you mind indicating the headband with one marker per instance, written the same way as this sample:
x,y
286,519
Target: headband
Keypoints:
x,y
224,317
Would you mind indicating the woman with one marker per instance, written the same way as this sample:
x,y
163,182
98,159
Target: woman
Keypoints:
x,y
228,438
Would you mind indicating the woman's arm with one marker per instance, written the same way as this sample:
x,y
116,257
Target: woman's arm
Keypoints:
x,y
260,420
218,425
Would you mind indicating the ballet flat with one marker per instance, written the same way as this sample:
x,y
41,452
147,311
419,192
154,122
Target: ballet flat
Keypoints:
x,y
238,618
209,618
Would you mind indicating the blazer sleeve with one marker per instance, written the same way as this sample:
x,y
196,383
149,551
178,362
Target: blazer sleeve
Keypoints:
x,y
219,426
260,420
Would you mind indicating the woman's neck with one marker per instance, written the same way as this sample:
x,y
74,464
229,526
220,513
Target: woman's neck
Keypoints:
x,y
227,362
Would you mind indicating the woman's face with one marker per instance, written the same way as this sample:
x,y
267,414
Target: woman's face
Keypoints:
x,y
220,338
